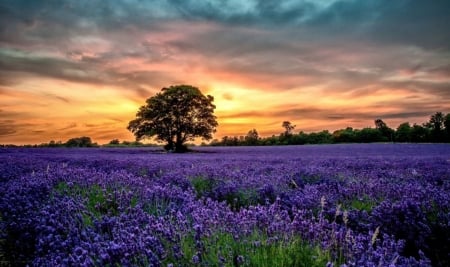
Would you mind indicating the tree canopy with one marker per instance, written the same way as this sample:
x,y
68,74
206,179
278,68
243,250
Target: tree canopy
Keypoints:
x,y
175,115
287,125
83,141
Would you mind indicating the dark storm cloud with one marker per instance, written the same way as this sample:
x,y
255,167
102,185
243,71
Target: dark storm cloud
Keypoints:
x,y
18,62
268,13
417,22
244,47
53,19
420,23
399,21
15,64
408,21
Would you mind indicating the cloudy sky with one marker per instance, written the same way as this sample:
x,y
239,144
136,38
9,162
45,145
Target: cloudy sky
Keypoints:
x,y
83,67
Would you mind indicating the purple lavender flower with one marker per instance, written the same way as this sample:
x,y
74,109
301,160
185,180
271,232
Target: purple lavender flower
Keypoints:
x,y
98,207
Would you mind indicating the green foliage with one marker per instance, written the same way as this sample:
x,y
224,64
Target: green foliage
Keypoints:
x,y
235,198
323,137
436,130
420,134
103,201
83,141
403,133
203,186
99,201
128,144
223,249
252,138
386,132
114,142
175,115
347,135
363,203
369,135
288,128
157,206
447,126
436,126
240,199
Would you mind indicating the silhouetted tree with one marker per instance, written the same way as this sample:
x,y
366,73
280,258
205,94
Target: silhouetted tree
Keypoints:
x,y
385,131
224,140
346,135
286,136
436,124
114,142
229,141
419,134
252,137
52,143
403,133
323,137
132,143
83,141
270,141
175,115
447,126
288,127
369,135
300,139
379,124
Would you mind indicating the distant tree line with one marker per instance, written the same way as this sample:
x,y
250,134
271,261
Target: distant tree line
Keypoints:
x,y
117,143
86,141
83,141
436,130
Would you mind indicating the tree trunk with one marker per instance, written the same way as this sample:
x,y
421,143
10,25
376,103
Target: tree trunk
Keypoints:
x,y
179,147
170,145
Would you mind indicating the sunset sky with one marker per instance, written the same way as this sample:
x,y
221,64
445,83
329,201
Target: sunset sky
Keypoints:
x,y
83,67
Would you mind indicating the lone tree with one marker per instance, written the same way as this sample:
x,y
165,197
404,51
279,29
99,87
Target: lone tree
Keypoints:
x,y
287,125
436,124
175,115
385,131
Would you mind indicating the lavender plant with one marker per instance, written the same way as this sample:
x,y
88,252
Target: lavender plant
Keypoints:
x,y
340,205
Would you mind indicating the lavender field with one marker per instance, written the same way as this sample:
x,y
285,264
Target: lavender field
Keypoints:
x,y
330,205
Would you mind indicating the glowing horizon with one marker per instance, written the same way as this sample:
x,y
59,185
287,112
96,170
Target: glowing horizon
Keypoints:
x,y
83,68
